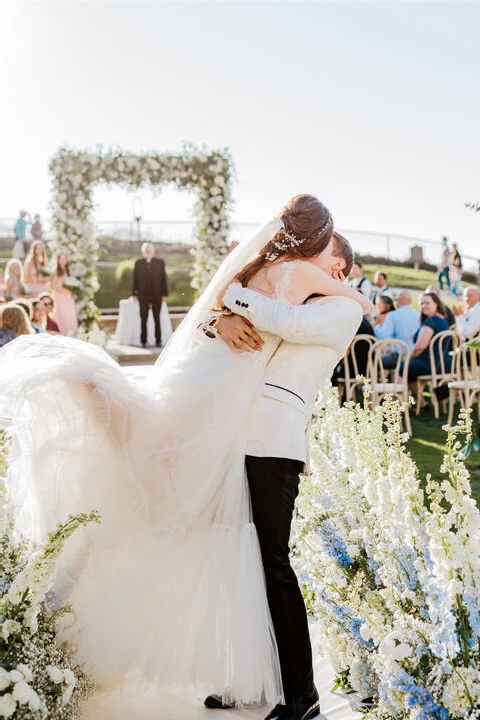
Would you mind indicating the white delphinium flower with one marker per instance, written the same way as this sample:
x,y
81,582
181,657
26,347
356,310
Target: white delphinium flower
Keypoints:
x,y
462,690
362,677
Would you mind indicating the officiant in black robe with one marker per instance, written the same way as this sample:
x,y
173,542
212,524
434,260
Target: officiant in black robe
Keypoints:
x,y
150,287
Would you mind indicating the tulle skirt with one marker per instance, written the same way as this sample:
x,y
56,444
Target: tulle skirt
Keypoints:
x,y
169,587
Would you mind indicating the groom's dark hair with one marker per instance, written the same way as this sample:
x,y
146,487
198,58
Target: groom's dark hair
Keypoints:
x,y
342,248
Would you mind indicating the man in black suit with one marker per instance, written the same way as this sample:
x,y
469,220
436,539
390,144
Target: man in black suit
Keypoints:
x,y
150,289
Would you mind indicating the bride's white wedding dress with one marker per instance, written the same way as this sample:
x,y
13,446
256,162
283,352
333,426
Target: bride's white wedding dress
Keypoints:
x,y
170,585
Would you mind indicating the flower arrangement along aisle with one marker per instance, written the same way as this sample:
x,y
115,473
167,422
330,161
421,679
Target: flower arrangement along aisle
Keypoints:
x,y
392,572
38,676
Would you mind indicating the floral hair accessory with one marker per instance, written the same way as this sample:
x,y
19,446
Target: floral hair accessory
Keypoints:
x,y
289,240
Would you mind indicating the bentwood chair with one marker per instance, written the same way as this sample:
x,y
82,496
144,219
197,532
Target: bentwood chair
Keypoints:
x,y
383,381
443,343
356,356
465,385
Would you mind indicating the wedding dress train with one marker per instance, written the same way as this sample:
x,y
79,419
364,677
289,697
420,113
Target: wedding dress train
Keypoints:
x,y
169,587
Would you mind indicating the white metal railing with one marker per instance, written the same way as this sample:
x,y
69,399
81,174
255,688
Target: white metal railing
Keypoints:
x,y
388,245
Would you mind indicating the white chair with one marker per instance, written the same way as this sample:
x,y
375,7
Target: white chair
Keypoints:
x,y
351,380
441,344
465,387
380,378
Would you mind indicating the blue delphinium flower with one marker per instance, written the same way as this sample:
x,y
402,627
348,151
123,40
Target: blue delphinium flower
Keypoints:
x,y
334,545
418,697
346,617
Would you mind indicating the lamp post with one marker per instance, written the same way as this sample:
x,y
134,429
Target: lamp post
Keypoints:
x,y
137,206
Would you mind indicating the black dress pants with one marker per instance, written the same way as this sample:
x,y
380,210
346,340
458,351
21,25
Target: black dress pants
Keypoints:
x,y
147,301
273,486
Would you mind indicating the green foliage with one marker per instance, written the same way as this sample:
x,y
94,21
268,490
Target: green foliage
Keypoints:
x,y
427,447
116,284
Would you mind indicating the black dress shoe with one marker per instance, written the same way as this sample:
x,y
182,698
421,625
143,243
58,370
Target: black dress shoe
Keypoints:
x,y
301,708
214,702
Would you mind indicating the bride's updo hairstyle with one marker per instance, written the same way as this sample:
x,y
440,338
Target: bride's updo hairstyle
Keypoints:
x,y
307,230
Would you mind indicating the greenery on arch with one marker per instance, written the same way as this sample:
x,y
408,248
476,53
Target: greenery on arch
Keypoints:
x,y
76,172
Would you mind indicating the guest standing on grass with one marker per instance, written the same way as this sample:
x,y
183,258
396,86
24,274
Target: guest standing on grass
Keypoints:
x,y
150,289
443,270
20,247
36,228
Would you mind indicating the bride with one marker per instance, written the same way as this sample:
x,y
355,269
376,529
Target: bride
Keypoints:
x,y
169,587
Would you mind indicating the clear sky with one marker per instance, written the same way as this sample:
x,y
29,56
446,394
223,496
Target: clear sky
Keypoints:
x,y
374,107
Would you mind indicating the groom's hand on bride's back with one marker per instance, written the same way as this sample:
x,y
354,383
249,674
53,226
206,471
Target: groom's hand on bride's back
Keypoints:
x,y
238,333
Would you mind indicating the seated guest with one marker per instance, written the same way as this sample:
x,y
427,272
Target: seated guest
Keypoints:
x,y
51,325
448,313
383,304
400,324
13,323
380,287
39,320
26,305
432,322
468,320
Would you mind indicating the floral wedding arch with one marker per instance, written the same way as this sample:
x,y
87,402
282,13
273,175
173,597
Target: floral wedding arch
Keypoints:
x,y
75,173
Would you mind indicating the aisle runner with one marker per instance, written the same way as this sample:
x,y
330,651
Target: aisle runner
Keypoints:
x,y
334,706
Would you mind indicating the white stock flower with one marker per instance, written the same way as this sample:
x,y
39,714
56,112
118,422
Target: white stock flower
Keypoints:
x,y
5,680
10,627
55,674
34,701
15,676
8,705
26,672
22,692
69,676
393,651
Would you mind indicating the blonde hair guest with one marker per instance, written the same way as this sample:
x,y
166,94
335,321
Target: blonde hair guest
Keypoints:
x,y
14,318
13,282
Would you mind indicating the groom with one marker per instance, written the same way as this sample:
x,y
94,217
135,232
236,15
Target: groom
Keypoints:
x,y
315,336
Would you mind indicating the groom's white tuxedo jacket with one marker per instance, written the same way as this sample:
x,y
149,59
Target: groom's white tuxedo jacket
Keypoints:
x,y
314,338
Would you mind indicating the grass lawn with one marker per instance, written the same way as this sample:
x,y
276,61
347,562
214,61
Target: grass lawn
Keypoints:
x,y
426,447
402,277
